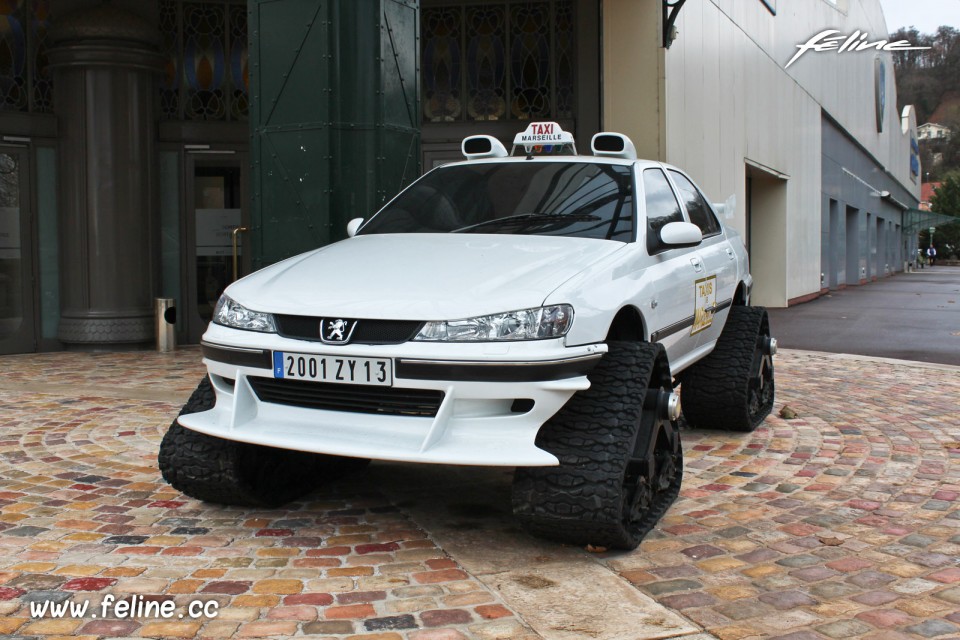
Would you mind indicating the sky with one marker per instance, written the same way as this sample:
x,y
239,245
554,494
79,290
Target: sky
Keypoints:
x,y
925,15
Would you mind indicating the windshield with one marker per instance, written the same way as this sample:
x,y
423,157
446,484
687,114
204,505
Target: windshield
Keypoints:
x,y
578,199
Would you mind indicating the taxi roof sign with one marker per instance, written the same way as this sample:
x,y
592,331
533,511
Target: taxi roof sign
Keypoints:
x,y
543,134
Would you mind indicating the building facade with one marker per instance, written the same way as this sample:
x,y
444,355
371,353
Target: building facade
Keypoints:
x,y
805,153
163,148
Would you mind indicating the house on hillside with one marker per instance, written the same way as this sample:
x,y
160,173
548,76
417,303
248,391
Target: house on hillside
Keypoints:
x,y
931,131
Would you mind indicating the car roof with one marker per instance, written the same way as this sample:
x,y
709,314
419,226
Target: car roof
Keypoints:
x,y
640,164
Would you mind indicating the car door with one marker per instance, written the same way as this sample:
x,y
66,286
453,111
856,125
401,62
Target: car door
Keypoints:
x,y
717,283
671,274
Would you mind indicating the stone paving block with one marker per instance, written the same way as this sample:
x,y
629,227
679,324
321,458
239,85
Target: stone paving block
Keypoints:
x,y
743,610
798,635
885,618
787,599
261,629
437,634
932,628
328,627
924,608
353,611
914,586
876,598
951,595
871,579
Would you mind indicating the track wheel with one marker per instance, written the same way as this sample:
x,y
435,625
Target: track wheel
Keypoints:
x,y
733,387
619,451
217,470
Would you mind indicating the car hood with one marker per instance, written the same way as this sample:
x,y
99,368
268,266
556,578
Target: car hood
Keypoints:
x,y
420,276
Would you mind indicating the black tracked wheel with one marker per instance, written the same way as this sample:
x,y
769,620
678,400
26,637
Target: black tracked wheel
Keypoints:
x,y
620,458
733,387
226,472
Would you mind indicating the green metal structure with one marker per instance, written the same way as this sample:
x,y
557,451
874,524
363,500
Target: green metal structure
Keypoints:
x,y
334,117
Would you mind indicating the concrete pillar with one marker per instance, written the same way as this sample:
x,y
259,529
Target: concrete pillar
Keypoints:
x,y
634,85
105,65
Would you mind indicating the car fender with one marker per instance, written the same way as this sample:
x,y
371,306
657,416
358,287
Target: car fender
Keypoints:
x,y
601,290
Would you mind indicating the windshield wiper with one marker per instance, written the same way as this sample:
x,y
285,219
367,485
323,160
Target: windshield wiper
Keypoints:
x,y
524,218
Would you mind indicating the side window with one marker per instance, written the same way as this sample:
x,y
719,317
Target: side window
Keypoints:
x,y
701,214
662,207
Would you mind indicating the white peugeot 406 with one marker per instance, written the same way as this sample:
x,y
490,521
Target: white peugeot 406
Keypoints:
x,y
533,310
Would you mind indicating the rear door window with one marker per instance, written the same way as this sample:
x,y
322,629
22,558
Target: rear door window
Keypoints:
x,y
699,210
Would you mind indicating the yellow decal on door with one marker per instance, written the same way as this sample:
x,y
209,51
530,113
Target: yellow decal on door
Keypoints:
x,y
705,301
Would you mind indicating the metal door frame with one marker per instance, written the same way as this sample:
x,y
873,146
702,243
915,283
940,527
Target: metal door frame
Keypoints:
x,y
25,339
234,158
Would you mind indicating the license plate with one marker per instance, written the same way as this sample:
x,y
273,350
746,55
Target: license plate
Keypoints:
x,y
337,369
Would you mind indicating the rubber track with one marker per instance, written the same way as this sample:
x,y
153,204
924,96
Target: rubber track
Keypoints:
x,y
580,501
715,391
226,472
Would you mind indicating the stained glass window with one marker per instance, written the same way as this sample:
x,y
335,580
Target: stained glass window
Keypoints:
x,y
25,80
564,55
239,61
42,77
204,62
205,44
13,57
530,60
511,59
173,61
441,54
486,59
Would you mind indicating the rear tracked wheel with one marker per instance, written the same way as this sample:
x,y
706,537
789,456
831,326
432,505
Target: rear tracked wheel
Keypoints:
x,y
217,470
733,387
620,457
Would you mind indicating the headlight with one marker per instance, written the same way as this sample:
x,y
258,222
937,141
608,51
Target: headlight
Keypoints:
x,y
231,314
527,324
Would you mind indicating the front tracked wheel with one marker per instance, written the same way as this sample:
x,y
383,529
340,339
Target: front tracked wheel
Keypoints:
x,y
620,457
733,387
217,470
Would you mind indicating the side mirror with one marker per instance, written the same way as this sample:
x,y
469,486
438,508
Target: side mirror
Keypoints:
x,y
353,226
681,234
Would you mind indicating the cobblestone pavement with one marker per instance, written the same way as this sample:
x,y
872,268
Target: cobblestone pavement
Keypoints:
x,y
841,523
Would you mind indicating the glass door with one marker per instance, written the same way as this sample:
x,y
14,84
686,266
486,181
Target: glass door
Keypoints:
x,y
217,234
17,314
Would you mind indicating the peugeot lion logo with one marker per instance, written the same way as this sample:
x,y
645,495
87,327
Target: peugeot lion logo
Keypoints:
x,y
336,331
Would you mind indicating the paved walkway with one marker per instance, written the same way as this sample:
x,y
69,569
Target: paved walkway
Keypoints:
x,y
912,316
841,523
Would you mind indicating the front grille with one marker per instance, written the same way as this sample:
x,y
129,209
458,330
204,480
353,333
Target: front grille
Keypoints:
x,y
367,331
349,398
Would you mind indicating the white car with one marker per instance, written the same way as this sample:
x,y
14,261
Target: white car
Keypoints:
x,y
533,311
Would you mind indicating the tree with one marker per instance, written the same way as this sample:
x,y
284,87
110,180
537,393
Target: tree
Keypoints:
x,y
946,200
924,76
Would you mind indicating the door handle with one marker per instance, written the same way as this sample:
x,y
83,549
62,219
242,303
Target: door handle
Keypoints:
x,y
236,232
730,253
697,264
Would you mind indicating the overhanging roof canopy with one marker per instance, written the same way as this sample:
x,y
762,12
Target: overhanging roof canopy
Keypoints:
x,y
915,220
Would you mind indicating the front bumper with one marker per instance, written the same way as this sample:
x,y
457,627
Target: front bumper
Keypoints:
x,y
495,398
